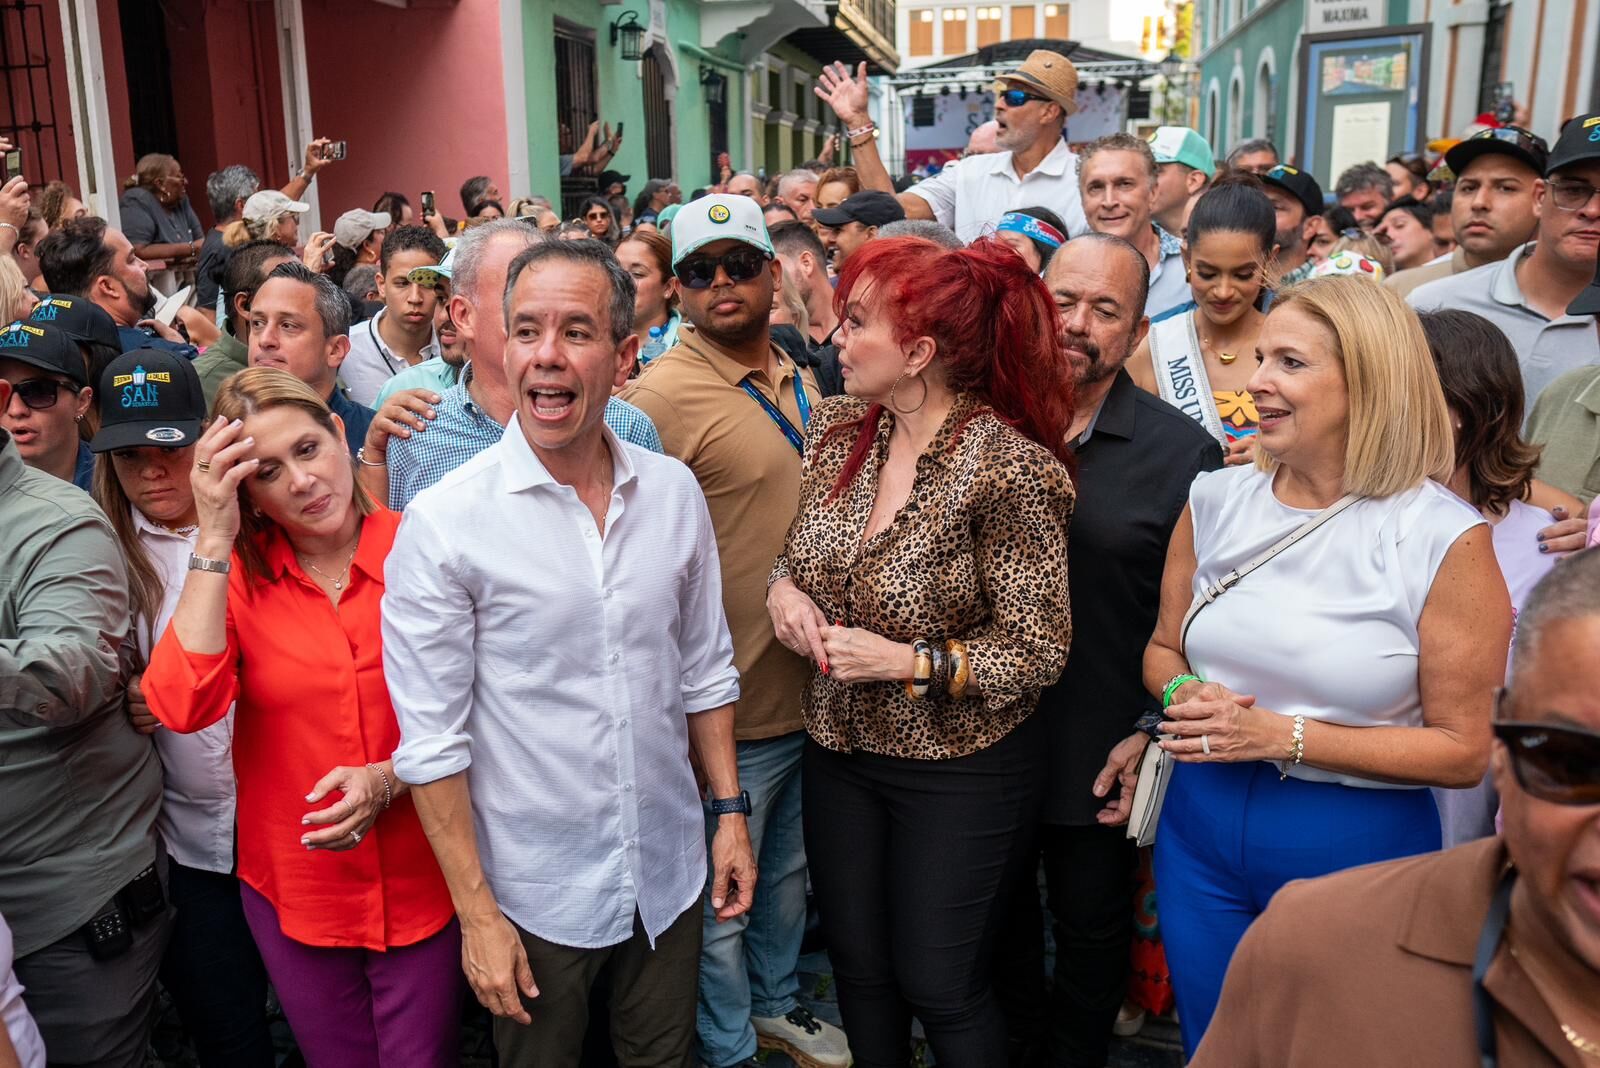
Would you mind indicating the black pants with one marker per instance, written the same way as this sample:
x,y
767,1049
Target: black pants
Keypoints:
x,y
214,972
1089,879
912,863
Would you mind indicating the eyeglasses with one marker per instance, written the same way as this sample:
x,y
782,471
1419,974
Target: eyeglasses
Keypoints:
x,y
1571,195
742,264
1015,98
1552,763
41,393
1353,233
1526,140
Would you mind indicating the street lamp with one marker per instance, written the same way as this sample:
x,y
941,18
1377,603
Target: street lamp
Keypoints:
x,y
1172,69
627,28
1172,66
715,86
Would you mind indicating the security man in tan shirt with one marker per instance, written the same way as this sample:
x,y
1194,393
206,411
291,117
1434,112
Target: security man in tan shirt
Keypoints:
x,y
1488,953
734,408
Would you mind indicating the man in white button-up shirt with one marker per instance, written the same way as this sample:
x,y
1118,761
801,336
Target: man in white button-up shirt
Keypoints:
x,y
1033,167
554,642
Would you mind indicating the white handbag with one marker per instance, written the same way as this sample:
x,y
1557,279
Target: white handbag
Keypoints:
x,y
1155,772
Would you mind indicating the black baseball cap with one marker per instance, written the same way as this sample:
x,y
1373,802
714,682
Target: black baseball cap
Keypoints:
x,y
43,346
1579,141
608,179
149,397
870,207
81,319
1513,141
1298,184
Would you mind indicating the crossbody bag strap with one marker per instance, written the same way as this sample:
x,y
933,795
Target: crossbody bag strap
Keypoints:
x,y
1216,589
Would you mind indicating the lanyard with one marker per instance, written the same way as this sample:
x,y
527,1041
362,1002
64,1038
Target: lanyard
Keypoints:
x,y
796,437
1494,927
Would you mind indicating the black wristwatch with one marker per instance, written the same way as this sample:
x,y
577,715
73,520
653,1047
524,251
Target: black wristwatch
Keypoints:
x,y
726,806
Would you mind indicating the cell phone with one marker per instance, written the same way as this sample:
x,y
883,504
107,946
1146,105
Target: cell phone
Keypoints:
x,y
335,150
427,202
619,129
1505,103
13,165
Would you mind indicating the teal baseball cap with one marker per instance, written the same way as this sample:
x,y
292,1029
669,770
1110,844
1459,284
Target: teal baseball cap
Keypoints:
x,y
1179,144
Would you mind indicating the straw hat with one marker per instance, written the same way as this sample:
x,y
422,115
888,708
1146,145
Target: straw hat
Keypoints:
x,y
1050,74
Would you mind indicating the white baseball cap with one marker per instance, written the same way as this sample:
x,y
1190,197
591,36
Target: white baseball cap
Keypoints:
x,y
355,226
269,204
718,217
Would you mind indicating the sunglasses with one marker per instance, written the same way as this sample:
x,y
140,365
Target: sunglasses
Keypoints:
x,y
1552,763
41,393
742,264
1015,98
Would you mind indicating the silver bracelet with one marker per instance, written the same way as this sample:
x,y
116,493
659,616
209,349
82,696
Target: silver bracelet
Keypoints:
x,y
361,458
388,791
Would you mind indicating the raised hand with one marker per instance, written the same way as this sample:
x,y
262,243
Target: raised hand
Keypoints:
x,y
220,468
847,96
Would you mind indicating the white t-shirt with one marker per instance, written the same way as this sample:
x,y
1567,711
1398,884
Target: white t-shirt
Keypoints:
x,y
371,363
970,196
13,1013
1328,628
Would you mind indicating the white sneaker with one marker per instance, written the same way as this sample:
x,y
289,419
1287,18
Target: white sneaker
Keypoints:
x,y
1130,1018
809,1042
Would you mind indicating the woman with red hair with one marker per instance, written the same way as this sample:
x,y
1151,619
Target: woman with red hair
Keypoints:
x,y
926,575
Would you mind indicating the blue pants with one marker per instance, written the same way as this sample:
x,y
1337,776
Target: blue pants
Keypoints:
x,y
1232,834
747,965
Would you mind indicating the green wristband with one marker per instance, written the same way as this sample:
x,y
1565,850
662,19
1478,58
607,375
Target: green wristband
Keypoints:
x,y
1172,688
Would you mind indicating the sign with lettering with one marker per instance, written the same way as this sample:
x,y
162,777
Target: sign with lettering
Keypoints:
x,y
1330,16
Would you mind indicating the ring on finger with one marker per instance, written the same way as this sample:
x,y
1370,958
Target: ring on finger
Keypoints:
x,y
203,465
1205,744
351,809
355,836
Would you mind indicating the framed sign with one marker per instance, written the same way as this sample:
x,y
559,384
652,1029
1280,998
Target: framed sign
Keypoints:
x,y
1364,97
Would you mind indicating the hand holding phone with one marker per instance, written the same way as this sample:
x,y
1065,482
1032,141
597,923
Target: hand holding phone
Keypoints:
x,y
335,150
427,203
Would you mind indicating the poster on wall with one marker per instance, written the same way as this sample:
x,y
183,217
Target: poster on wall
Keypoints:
x,y
1364,99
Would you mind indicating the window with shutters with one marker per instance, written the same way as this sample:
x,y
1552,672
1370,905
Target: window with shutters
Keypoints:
x,y
1057,24
989,22
921,32
955,31
1022,22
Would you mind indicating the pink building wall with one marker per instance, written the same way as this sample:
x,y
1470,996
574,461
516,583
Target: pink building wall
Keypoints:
x,y
417,92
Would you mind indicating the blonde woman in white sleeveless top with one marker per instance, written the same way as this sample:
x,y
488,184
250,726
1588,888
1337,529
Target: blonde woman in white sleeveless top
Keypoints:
x,y
1315,701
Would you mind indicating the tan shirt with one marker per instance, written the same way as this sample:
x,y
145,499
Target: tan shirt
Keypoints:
x,y
750,474
1403,282
1374,967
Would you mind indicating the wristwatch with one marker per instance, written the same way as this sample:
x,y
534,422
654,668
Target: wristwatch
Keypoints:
x,y
725,806
200,563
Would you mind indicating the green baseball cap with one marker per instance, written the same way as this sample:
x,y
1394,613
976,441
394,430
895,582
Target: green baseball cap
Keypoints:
x,y
1179,144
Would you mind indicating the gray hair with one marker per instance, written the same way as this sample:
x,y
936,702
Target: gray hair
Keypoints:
x,y
333,307
1365,176
798,176
1118,142
361,280
1569,590
473,245
1250,148
589,253
926,229
227,187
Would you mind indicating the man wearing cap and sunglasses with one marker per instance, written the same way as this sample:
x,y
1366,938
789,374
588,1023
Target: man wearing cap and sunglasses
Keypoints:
x,y
1526,294
1492,211
1486,954
50,397
1033,167
735,409
1297,204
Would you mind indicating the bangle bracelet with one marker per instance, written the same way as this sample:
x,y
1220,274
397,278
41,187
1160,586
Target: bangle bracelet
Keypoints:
x,y
1297,748
937,677
388,791
862,130
1173,684
960,669
921,668
361,458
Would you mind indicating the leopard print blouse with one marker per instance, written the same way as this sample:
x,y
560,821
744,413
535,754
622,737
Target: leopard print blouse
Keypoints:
x,y
977,553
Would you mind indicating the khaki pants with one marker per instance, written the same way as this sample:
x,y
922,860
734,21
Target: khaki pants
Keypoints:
x,y
652,999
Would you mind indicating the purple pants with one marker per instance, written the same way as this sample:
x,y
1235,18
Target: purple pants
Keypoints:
x,y
355,1008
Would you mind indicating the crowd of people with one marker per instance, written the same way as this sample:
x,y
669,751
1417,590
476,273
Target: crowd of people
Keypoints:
x,y
552,620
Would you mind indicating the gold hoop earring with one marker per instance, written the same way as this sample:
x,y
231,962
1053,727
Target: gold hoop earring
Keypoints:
x,y
919,404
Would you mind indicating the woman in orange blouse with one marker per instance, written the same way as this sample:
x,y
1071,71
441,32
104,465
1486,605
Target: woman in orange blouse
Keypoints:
x,y
280,612
926,574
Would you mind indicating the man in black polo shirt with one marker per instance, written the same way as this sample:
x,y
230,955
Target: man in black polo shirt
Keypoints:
x,y
1136,456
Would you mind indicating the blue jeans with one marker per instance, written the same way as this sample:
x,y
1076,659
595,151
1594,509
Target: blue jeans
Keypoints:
x,y
1233,834
747,965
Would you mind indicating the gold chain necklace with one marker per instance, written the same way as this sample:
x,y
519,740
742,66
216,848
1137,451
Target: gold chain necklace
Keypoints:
x,y
1226,357
338,580
1583,1045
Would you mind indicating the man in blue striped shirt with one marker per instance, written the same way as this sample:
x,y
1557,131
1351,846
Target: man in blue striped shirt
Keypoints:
x,y
471,415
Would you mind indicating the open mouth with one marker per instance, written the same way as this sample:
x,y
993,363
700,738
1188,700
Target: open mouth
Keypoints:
x,y
550,403
1270,417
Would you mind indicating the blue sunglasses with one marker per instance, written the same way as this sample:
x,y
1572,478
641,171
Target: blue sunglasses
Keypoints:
x,y
1015,98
